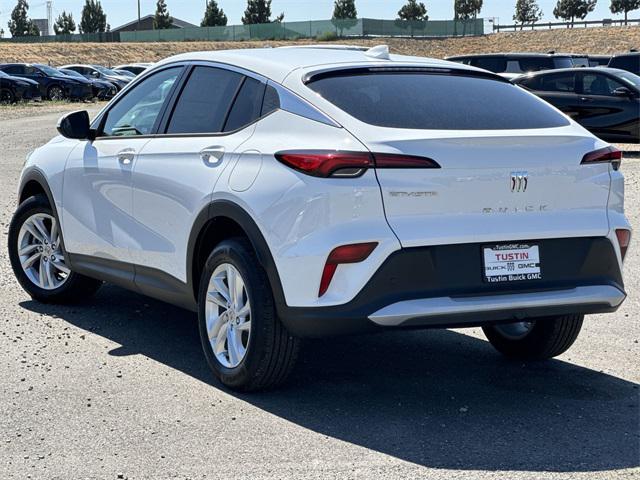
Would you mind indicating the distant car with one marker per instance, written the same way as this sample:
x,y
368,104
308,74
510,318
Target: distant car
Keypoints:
x,y
54,85
100,73
512,65
627,61
102,89
135,68
15,89
605,101
599,60
580,61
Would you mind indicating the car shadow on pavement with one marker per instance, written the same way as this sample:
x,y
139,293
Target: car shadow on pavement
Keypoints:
x,y
435,398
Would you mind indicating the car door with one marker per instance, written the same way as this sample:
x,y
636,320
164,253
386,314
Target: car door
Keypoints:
x,y
559,89
174,178
603,112
97,203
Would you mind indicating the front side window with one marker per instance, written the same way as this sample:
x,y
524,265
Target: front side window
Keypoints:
x,y
205,101
136,113
436,101
597,84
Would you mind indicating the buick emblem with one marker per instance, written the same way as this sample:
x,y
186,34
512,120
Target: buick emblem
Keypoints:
x,y
519,182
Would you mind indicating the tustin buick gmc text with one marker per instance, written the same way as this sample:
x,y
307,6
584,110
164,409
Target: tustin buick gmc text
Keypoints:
x,y
284,193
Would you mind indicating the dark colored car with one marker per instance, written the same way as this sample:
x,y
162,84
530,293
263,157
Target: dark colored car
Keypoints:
x,y
599,60
15,89
54,85
605,101
102,90
627,61
510,65
97,72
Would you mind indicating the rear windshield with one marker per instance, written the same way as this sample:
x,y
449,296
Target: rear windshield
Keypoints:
x,y
435,101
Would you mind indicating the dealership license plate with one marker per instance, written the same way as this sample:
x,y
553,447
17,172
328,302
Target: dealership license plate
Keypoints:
x,y
512,263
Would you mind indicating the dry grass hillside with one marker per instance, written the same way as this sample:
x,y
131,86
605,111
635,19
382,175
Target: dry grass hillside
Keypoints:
x,y
578,40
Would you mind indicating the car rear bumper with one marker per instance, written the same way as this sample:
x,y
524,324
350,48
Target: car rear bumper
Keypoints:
x,y
443,286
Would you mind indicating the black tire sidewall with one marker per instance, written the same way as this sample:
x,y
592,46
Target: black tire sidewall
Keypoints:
x,y
238,253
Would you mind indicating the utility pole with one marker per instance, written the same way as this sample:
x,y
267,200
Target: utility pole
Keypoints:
x,y
138,25
49,18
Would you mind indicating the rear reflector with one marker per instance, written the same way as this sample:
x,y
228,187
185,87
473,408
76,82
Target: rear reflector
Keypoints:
x,y
324,163
605,155
355,253
624,238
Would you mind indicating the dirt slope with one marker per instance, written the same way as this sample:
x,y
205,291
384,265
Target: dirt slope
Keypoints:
x,y
579,40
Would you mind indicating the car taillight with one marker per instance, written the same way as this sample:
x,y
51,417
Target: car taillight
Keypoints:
x,y
605,155
323,163
624,238
354,253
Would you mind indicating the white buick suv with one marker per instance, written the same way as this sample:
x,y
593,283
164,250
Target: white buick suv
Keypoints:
x,y
295,192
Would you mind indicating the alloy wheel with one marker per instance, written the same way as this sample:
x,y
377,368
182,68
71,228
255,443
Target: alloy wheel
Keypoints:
x,y
228,315
40,252
56,93
6,96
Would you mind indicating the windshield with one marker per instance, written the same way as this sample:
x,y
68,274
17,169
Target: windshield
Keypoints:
x,y
52,72
630,78
71,73
105,71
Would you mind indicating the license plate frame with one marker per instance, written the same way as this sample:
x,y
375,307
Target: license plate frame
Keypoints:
x,y
511,263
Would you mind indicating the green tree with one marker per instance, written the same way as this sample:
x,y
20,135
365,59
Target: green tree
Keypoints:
x,y
527,11
213,15
412,13
20,24
345,15
162,20
93,19
466,10
259,11
624,6
64,24
572,9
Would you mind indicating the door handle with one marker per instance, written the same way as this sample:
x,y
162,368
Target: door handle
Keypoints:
x,y
212,155
586,99
125,157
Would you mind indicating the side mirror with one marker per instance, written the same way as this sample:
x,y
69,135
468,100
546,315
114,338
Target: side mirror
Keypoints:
x,y
76,125
95,74
623,92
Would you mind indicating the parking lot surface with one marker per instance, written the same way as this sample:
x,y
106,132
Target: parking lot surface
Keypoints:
x,y
118,388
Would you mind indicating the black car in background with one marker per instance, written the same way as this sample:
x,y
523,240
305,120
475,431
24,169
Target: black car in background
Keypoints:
x,y
54,85
102,90
97,72
511,65
605,101
15,89
627,61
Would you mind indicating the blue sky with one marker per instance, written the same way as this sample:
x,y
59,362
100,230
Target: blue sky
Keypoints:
x,y
123,11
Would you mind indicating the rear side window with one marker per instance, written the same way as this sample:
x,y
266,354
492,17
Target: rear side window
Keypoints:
x,y
434,101
537,64
14,70
493,64
566,62
205,101
271,101
630,63
246,108
558,82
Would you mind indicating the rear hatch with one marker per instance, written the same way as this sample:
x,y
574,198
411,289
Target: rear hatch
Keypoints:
x,y
508,164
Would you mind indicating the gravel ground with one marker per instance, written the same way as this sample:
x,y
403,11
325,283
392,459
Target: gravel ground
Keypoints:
x,y
118,388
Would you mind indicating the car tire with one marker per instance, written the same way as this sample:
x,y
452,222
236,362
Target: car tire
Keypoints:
x,y
265,352
60,284
7,96
538,339
56,92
